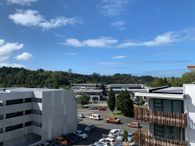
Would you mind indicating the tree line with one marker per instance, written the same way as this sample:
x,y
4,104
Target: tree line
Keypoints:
x,y
21,77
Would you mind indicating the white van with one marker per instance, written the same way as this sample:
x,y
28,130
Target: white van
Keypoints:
x,y
94,116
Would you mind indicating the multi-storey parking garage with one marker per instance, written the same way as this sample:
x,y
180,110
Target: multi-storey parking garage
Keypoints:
x,y
29,115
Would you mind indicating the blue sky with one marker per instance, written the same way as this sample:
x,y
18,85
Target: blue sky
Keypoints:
x,y
156,37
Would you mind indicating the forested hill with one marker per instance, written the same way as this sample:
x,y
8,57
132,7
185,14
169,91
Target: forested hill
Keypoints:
x,y
21,77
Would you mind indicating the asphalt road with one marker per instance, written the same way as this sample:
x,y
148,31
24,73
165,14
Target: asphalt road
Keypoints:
x,y
102,128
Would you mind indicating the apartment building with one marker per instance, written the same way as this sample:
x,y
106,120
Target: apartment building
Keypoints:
x,y
170,114
28,115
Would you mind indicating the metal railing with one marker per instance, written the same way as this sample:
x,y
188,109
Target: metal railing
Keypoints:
x,y
142,138
163,118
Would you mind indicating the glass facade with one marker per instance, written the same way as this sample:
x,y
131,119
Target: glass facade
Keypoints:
x,y
169,132
168,105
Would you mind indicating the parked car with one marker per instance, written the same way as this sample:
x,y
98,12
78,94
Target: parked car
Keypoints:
x,y
113,120
81,115
73,138
81,134
110,140
130,136
114,133
98,143
102,109
89,128
62,141
44,144
94,116
120,136
134,125
102,140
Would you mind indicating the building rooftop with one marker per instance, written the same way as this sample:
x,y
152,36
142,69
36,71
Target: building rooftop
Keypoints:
x,y
23,89
87,90
127,85
169,90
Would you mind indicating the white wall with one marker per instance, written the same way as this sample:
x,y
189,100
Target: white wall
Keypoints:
x,y
189,107
59,114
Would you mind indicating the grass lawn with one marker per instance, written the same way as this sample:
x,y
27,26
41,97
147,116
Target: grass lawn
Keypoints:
x,y
118,114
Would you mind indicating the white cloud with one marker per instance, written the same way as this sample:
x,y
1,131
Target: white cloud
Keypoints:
x,y
24,56
111,63
21,2
167,38
119,57
164,39
6,49
113,7
11,65
119,25
34,18
72,53
99,42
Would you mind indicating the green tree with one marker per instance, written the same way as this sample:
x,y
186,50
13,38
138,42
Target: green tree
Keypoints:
x,y
124,104
83,99
125,135
111,100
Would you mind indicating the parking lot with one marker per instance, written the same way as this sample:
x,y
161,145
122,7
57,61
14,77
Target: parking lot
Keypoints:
x,y
102,128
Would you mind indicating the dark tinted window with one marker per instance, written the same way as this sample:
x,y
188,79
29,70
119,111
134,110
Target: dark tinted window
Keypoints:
x,y
14,127
15,101
15,114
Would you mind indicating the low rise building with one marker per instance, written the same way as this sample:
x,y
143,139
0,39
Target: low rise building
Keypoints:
x,y
28,115
170,114
94,91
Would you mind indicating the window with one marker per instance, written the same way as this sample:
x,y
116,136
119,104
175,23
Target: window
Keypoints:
x,y
37,100
15,101
168,105
1,102
28,112
14,127
27,100
1,143
169,132
158,105
36,124
1,117
1,130
15,114
28,124
38,112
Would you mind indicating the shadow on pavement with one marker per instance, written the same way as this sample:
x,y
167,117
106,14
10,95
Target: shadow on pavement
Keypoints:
x,y
94,135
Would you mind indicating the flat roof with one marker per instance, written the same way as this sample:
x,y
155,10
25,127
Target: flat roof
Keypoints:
x,y
87,91
24,89
170,90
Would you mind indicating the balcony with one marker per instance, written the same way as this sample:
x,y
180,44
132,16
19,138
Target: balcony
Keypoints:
x,y
142,138
162,118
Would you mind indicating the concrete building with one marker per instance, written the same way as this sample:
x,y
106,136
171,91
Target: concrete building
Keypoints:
x,y
170,114
28,115
93,90
86,86
117,88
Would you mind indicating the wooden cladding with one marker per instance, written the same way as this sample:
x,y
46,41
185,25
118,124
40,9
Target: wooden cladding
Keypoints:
x,y
142,138
163,118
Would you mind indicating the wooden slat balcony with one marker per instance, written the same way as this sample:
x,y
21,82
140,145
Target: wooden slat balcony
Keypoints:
x,y
142,138
163,118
